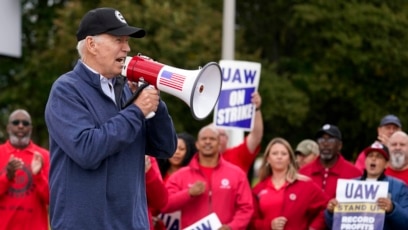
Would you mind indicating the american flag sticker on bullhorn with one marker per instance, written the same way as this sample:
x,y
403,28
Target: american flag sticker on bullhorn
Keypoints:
x,y
172,80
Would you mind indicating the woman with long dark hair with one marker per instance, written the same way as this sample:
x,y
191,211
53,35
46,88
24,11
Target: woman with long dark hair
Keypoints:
x,y
184,152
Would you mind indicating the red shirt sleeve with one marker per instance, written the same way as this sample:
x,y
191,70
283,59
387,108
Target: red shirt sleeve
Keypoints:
x,y
241,156
258,221
156,192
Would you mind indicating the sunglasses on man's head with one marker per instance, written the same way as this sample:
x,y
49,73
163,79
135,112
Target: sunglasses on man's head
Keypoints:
x,y
17,122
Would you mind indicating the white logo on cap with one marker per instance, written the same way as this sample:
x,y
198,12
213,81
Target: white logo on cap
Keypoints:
x,y
326,126
120,17
376,145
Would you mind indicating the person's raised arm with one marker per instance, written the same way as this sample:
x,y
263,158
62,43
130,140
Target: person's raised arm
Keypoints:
x,y
254,138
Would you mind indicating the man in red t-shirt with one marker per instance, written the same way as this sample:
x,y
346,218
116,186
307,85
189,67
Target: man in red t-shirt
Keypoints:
x,y
210,184
24,167
330,165
398,165
244,154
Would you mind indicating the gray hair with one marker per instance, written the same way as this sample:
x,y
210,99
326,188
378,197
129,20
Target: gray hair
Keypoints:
x,y
79,47
81,44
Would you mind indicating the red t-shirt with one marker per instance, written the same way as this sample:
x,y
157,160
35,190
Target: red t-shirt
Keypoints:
x,y
326,178
207,172
273,199
241,156
156,193
24,201
402,175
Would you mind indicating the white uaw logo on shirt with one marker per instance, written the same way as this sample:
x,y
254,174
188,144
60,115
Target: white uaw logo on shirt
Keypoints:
x,y
23,183
225,183
262,192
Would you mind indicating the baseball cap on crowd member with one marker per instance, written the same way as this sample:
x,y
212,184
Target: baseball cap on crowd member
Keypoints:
x,y
306,147
332,130
109,21
390,119
377,146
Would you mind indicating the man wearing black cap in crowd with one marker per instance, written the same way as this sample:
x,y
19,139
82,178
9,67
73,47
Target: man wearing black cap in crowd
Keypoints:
x,y
97,149
389,124
330,165
396,204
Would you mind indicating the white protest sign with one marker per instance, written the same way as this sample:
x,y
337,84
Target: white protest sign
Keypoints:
x,y
234,108
171,220
357,207
360,191
210,222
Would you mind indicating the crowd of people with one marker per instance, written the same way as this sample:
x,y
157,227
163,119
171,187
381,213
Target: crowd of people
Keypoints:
x,y
109,166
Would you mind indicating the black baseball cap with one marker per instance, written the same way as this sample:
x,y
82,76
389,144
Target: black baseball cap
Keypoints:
x,y
109,21
329,129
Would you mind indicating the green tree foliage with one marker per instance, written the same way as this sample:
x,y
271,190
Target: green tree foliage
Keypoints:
x,y
346,57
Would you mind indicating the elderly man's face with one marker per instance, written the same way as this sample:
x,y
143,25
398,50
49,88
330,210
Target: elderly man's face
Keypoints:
x,y
108,53
398,146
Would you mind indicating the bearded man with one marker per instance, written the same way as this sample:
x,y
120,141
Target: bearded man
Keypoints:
x,y
330,165
398,165
24,169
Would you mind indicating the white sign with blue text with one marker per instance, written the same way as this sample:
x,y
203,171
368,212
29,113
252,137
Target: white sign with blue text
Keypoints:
x,y
210,222
360,191
234,108
357,207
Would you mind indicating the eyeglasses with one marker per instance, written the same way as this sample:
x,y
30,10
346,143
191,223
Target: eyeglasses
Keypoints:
x,y
18,122
330,140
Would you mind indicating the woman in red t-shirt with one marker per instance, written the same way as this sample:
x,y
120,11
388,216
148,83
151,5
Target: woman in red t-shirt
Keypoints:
x,y
285,199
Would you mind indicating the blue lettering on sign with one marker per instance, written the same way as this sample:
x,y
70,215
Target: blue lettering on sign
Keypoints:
x,y
239,75
204,227
171,223
361,191
175,225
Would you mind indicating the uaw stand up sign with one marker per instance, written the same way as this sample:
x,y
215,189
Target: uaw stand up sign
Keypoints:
x,y
357,208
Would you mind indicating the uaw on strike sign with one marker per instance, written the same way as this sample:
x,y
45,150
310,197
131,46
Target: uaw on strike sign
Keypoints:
x,y
357,208
234,108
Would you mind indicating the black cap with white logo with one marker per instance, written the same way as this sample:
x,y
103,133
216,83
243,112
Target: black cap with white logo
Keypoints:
x,y
329,129
109,21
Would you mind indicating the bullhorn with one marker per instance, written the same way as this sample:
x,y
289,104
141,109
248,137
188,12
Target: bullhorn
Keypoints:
x,y
199,89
